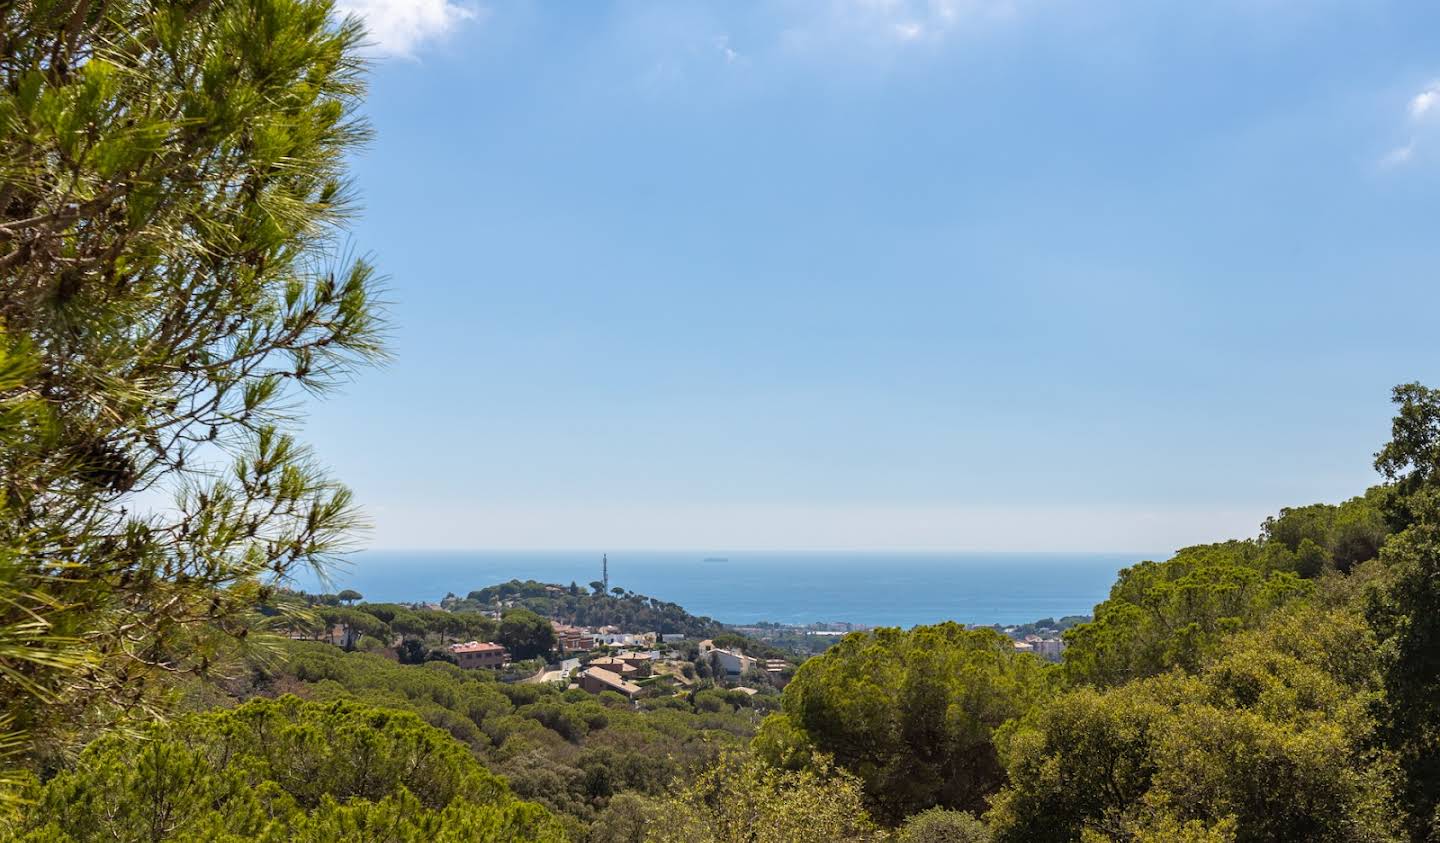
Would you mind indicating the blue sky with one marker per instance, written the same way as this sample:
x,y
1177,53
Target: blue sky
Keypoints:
x,y
981,274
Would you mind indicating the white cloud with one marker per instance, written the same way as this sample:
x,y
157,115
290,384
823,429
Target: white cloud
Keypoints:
x,y
731,55
1422,103
1422,108
909,30
1399,155
397,27
912,20
885,25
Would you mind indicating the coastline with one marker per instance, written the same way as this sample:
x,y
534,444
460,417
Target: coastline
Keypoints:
x,y
792,588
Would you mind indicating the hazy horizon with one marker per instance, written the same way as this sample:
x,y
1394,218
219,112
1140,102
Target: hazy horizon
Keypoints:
x,y
787,528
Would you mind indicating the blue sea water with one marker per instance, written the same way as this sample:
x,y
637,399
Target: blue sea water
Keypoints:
x,y
871,588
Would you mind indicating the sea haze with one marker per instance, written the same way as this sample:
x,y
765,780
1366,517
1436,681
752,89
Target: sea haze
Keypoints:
x,y
872,588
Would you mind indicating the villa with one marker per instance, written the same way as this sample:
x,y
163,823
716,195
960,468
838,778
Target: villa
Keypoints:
x,y
595,681
616,666
475,654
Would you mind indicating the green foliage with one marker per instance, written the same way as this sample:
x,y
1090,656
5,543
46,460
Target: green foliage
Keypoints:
x,y
1043,625
568,750
173,179
912,714
782,744
627,610
751,647
1406,610
34,640
1177,613
627,819
1318,723
411,651
938,825
422,632
284,770
526,635
744,801
354,623
1269,740
1164,828
1323,536
1410,461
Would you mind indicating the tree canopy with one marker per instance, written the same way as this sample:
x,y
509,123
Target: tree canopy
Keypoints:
x,y
912,714
569,750
283,769
172,179
1406,611
526,635
742,799
626,609
1270,738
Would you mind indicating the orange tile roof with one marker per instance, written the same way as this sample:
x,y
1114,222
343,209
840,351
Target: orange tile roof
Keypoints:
x,y
476,647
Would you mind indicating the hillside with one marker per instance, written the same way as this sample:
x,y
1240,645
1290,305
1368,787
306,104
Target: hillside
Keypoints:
x,y
912,273
1235,687
568,750
572,604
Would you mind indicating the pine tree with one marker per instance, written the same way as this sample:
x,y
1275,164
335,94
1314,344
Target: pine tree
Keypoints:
x,y
171,188
282,770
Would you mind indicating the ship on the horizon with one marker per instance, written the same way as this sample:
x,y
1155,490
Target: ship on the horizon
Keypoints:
x,y
715,559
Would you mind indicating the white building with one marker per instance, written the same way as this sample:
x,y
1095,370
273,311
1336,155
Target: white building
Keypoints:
x,y
621,639
733,663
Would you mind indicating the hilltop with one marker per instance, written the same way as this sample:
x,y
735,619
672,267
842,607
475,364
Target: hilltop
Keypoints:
x,y
572,604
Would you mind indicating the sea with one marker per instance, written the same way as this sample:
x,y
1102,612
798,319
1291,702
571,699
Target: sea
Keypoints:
x,y
864,588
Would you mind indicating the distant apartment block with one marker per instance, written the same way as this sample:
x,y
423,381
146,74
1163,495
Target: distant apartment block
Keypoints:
x,y
1049,649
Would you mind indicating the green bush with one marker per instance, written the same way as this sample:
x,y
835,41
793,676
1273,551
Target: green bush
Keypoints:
x,y
283,770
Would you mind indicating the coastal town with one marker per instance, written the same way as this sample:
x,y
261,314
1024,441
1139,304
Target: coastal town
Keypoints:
x,y
628,662
634,660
